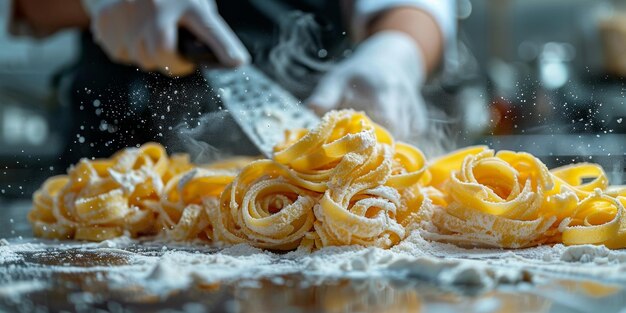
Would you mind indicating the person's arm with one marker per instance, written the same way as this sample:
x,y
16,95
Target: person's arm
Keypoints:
x,y
416,23
399,43
50,16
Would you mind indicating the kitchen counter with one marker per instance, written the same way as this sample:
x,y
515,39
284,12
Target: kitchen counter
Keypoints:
x,y
55,276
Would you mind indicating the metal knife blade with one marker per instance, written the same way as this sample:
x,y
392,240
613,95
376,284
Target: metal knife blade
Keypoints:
x,y
261,107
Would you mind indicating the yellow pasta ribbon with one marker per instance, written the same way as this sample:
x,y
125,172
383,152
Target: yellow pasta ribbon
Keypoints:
x,y
100,199
263,207
512,200
181,213
364,177
495,200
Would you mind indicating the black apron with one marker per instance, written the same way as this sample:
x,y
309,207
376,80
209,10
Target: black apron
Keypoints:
x,y
115,106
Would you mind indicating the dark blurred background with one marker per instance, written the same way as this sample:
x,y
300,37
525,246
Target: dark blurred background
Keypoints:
x,y
543,76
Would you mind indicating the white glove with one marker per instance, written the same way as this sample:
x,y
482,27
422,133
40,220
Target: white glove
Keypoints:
x,y
383,78
144,32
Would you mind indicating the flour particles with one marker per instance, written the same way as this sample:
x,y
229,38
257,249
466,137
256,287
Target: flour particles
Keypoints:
x,y
161,267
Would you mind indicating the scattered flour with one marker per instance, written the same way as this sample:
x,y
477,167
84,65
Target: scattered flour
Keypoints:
x,y
161,267
591,254
119,242
15,289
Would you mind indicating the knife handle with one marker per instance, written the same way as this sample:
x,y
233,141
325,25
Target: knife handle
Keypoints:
x,y
192,49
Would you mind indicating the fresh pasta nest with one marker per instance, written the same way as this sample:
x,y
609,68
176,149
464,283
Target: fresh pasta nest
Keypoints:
x,y
345,182
511,200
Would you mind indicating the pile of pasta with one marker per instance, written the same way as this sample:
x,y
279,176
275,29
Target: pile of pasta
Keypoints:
x,y
345,182
511,200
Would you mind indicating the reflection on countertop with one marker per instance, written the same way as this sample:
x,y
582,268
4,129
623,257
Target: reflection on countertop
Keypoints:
x,y
65,276
89,291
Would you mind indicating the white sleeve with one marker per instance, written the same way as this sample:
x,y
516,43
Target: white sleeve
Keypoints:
x,y
442,11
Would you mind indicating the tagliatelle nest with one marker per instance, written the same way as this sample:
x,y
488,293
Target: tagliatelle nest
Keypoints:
x,y
511,200
345,182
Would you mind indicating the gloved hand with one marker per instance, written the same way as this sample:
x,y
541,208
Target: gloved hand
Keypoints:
x,y
383,78
144,32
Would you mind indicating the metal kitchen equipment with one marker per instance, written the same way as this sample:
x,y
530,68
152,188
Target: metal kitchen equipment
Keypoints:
x,y
261,107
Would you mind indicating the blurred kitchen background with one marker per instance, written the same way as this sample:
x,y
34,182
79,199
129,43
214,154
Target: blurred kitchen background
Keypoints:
x,y
543,76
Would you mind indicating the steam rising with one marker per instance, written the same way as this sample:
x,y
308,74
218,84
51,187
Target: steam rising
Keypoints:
x,y
296,62
439,137
199,151
215,136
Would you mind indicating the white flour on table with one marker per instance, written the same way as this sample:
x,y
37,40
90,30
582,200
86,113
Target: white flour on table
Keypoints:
x,y
175,266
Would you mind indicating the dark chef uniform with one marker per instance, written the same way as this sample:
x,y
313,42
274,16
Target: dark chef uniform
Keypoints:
x,y
115,106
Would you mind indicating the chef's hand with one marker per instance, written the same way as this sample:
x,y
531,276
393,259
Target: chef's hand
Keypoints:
x,y
144,32
383,78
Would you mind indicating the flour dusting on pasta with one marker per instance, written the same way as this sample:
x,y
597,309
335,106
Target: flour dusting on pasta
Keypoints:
x,y
346,182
